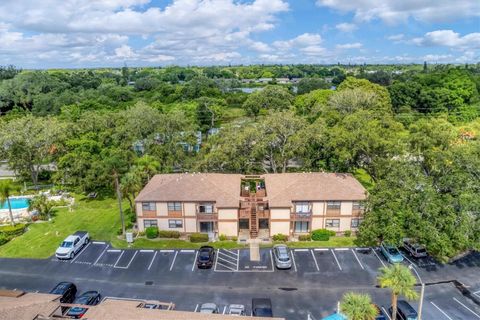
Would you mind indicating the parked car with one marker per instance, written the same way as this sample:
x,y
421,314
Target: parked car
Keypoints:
x,y
236,310
206,257
282,257
67,290
72,245
89,298
391,253
415,249
381,314
404,311
262,307
208,308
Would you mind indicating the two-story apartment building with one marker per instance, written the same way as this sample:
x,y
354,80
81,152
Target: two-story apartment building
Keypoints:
x,y
259,205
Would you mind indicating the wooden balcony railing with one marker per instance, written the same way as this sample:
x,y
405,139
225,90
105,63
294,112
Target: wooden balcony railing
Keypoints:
x,y
174,214
207,216
149,213
357,212
333,212
263,214
244,214
300,216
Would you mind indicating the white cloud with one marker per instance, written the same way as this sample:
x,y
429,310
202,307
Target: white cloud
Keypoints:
x,y
346,46
396,37
449,38
438,57
303,40
394,11
346,27
125,52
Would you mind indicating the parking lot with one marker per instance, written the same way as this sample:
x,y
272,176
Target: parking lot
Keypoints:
x,y
315,283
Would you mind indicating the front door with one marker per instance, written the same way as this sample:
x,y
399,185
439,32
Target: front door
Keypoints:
x,y
207,226
263,223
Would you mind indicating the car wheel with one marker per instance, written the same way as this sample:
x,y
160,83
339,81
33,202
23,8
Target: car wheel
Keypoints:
x,y
72,255
87,241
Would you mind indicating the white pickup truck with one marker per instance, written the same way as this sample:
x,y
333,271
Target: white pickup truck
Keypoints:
x,y
72,245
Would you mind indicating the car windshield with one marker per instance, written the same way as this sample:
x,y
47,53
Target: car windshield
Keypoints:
x,y
263,312
204,254
392,251
66,244
82,299
421,250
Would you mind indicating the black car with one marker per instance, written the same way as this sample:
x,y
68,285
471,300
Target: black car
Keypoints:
x,y
381,315
404,311
89,298
67,290
262,307
206,256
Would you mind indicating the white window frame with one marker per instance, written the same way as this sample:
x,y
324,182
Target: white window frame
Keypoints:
x,y
149,206
177,223
334,205
334,223
177,206
302,207
150,222
302,223
206,205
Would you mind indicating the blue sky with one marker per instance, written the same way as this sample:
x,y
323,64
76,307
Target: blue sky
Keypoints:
x,y
87,33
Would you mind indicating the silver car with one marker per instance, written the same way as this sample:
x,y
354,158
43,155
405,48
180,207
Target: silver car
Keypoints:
x,y
281,254
208,308
236,310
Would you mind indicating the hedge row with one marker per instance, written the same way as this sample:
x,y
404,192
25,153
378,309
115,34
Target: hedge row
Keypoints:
x,y
322,234
13,231
199,237
169,234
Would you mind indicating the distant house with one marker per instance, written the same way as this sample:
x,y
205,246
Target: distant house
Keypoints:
x,y
250,206
6,172
264,80
283,80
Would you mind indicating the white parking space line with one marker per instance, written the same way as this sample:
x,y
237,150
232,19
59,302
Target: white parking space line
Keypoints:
x,y
225,266
226,261
78,255
358,260
187,251
385,311
375,252
467,308
411,262
129,262
477,293
293,260
232,252
196,308
301,250
315,260
144,251
224,309
106,248
443,312
98,242
170,251
227,255
194,261
338,263
238,259
114,250
119,257
171,266
153,259
271,259
321,249
342,249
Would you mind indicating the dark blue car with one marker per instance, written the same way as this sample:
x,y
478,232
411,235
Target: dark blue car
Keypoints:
x,y
89,298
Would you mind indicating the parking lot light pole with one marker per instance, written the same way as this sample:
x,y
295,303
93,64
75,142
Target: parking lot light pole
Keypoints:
x,y
422,291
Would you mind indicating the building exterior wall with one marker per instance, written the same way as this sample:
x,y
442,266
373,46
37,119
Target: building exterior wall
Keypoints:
x,y
317,223
228,228
318,208
190,225
227,214
162,209
346,208
189,209
279,213
277,227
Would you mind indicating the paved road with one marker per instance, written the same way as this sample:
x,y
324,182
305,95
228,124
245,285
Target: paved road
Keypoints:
x,y
315,284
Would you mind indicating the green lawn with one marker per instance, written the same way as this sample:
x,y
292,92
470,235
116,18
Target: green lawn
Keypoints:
x,y
99,217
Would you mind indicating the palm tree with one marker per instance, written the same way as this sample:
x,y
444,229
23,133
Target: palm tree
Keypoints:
x,y
400,280
130,186
42,205
6,190
357,306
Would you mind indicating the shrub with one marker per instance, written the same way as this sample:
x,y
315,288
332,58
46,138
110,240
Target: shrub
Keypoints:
x,y
13,231
234,238
322,234
199,237
151,232
280,237
3,239
169,234
222,237
347,233
304,237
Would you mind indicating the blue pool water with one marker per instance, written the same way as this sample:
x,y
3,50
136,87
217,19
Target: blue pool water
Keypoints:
x,y
16,203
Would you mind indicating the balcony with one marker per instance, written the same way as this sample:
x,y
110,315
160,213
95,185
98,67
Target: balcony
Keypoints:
x,y
244,214
333,212
301,216
174,214
357,212
263,214
149,213
207,216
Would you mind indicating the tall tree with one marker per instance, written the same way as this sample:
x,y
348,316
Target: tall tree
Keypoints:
x,y
400,280
270,98
358,306
6,190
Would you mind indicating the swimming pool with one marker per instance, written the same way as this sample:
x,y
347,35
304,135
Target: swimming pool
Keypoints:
x,y
16,203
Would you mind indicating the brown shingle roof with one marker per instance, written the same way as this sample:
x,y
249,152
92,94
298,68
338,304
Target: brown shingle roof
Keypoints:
x,y
283,188
224,189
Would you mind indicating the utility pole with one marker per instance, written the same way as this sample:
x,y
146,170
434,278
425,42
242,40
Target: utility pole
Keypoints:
x,y
422,292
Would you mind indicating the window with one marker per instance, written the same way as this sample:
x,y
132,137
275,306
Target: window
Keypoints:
x,y
150,223
334,205
205,208
356,222
302,226
149,206
175,224
357,205
333,223
174,206
302,207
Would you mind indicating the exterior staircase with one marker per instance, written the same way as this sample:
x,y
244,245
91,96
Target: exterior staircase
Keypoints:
x,y
253,221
